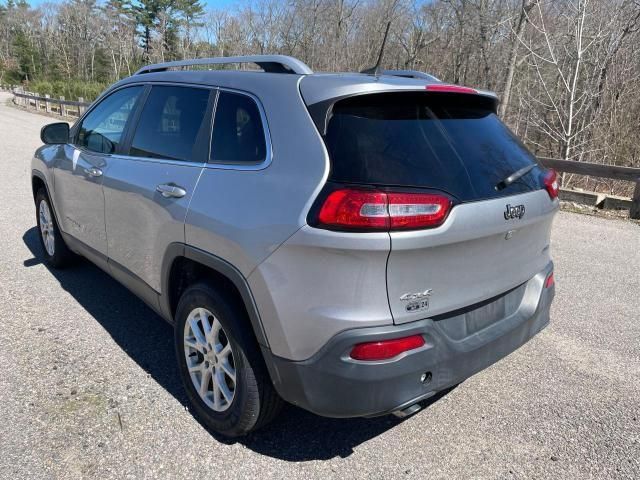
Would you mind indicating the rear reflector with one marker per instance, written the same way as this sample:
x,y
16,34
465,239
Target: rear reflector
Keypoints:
x,y
373,210
443,88
550,281
551,183
386,349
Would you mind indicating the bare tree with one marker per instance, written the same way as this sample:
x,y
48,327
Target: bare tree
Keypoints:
x,y
522,18
558,63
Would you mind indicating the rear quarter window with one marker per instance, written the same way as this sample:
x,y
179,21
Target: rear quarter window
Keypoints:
x,y
238,133
449,142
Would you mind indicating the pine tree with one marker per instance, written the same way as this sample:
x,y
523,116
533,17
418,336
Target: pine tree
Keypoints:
x,y
165,18
27,55
191,11
146,13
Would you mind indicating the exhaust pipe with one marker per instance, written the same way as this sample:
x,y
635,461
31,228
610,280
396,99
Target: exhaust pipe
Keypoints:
x,y
405,412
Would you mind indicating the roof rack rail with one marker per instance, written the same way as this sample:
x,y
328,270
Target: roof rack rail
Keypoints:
x,y
268,63
410,74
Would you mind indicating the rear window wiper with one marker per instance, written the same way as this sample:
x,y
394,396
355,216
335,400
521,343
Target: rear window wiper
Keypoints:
x,y
501,185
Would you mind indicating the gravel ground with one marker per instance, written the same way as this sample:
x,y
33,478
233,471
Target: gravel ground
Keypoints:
x,y
89,386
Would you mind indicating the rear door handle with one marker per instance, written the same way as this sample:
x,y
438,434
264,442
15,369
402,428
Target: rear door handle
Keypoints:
x,y
93,172
168,190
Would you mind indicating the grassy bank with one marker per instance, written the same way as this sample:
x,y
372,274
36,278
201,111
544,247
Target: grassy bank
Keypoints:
x,y
70,90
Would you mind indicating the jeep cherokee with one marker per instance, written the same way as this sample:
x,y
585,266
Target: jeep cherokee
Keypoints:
x,y
350,243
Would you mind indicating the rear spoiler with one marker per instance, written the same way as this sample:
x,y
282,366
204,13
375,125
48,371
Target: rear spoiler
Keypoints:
x,y
321,111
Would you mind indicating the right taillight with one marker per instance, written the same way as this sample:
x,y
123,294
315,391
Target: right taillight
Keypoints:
x,y
378,211
550,180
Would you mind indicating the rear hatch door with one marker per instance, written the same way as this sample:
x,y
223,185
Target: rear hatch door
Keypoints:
x,y
496,236
474,256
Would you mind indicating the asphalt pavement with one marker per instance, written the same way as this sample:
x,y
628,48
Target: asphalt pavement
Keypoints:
x,y
89,386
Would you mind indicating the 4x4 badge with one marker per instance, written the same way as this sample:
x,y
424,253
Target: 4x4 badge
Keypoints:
x,y
417,300
416,296
516,211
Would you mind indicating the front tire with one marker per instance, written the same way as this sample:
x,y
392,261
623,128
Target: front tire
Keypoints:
x,y
56,252
220,363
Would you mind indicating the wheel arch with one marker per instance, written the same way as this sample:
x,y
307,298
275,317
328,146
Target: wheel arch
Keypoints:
x,y
184,265
38,181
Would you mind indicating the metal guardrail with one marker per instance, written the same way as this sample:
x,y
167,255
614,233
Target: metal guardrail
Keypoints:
x,y
629,174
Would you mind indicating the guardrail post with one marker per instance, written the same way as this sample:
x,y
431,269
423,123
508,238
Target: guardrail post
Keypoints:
x,y
47,103
80,107
634,211
37,102
63,112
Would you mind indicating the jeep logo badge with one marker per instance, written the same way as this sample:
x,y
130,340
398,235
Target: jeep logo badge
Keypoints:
x,y
516,211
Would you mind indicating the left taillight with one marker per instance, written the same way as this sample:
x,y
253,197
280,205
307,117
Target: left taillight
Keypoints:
x,y
408,211
355,209
377,211
550,180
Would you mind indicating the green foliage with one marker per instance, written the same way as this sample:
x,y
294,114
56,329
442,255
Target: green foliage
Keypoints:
x,y
165,18
27,56
71,90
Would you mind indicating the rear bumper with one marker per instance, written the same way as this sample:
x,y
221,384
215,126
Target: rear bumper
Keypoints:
x,y
334,385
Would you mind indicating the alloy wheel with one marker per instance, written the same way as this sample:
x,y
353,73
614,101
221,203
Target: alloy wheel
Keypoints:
x,y
210,361
47,228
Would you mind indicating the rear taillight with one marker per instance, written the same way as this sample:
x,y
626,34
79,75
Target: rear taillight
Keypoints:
x,y
417,210
550,180
355,209
386,349
444,88
374,210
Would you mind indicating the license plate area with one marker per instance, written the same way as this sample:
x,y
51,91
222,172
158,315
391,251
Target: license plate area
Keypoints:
x,y
467,321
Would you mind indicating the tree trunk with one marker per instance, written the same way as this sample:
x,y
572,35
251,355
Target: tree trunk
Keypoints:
x,y
513,56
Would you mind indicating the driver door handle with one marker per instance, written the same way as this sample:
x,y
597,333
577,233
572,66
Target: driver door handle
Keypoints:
x,y
93,172
168,190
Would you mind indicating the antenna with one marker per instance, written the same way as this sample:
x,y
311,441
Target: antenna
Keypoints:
x,y
375,70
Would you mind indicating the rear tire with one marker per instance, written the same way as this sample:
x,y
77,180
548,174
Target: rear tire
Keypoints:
x,y
221,365
56,252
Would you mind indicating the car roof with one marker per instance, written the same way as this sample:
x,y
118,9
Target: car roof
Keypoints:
x,y
281,71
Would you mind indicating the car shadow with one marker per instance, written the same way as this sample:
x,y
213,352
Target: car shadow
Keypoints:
x,y
295,435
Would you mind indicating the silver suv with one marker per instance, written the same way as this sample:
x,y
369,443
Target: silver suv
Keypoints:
x,y
350,243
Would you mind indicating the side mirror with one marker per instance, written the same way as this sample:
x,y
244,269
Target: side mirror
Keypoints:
x,y
55,133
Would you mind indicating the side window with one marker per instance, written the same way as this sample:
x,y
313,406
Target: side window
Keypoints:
x,y
238,133
101,130
170,122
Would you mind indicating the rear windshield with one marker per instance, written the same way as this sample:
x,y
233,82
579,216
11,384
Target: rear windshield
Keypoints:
x,y
452,143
